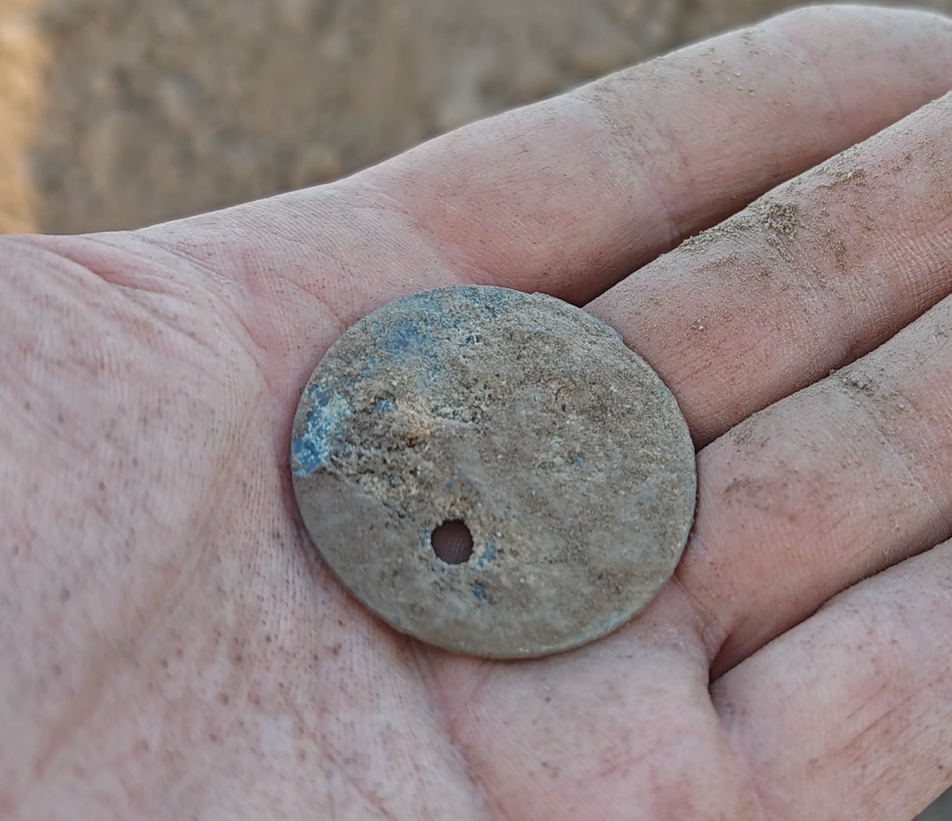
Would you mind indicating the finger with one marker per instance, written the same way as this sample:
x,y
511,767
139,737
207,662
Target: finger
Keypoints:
x,y
850,714
837,482
811,276
570,195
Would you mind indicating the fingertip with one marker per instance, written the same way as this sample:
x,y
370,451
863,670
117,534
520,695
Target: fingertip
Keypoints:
x,y
904,54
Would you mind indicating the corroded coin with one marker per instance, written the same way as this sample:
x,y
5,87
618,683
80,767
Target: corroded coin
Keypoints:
x,y
493,472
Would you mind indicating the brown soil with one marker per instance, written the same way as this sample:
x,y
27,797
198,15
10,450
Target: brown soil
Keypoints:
x,y
161,109
22,60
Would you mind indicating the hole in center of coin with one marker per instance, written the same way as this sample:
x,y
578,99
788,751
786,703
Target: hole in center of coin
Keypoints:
x,y
452,542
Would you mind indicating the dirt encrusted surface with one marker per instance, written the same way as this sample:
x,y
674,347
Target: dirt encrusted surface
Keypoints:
x,y
509,413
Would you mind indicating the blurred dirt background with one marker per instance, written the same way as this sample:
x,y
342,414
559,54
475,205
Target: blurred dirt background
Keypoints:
x,y
119,113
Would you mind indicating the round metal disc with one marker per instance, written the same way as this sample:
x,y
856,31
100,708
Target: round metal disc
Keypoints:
x,y
493,472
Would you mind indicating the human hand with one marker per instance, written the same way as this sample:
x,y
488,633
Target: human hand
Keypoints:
x,y
171,645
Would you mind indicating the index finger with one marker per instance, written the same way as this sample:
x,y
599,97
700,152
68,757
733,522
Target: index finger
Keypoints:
x,y
570,195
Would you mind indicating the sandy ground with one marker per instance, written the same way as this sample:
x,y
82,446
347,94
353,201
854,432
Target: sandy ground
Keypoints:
x,y
153,110
23,58
118,113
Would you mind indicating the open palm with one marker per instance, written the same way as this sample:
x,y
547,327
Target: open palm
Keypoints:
x,y
171,645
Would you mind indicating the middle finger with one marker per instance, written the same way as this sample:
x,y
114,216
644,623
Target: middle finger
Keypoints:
x,y
829,486
808,278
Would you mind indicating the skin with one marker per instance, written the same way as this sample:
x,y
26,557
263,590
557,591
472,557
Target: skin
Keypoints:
x,y
171,645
